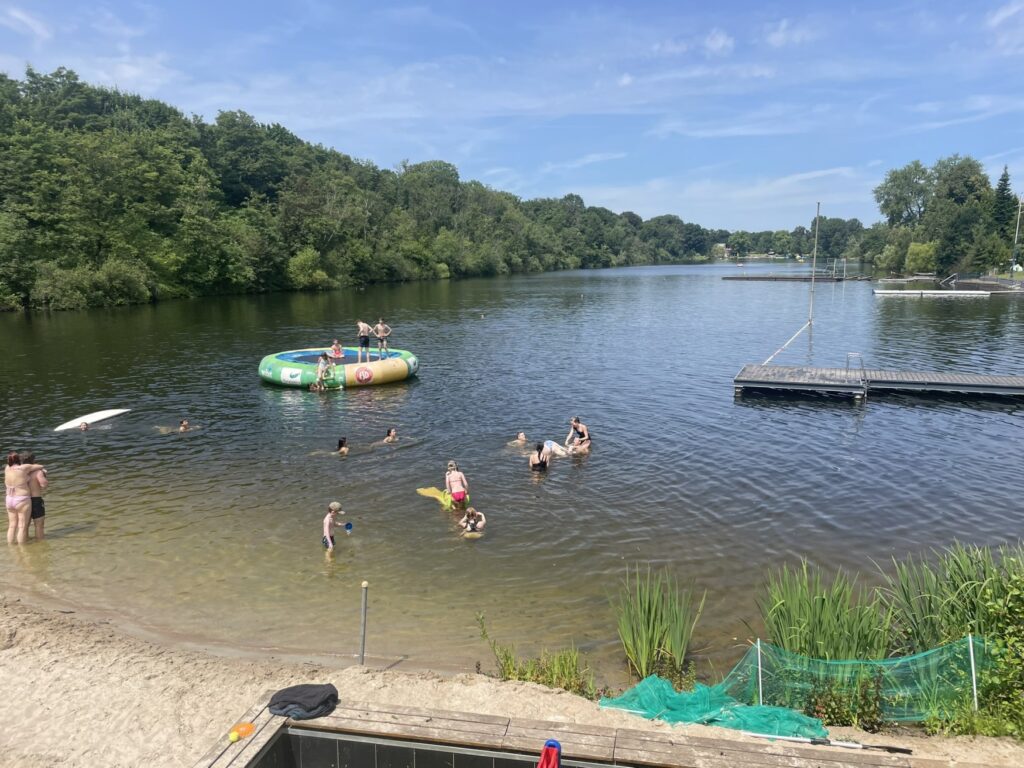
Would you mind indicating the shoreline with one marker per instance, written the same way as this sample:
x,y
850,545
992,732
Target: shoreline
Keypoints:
x,y
81,692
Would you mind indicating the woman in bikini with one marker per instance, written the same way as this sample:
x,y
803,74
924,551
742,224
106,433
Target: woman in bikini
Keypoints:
x,y
19,497
457,485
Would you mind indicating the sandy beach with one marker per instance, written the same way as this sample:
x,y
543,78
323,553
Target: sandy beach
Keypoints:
x,y
80,691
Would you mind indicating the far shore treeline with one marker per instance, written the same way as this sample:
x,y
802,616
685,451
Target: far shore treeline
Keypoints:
x,y
107,198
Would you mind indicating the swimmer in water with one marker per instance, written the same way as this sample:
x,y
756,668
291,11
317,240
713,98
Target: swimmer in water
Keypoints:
x,y
554,449
83,427
520,439
473,521
183,426
539,459
579,436
342,447
391,436
324,371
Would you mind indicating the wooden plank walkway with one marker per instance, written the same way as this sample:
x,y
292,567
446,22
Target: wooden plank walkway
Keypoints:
x,y
788,278
503,736
858,383
913,293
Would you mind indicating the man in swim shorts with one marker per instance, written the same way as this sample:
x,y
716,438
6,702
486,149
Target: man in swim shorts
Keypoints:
x,y
381,330
37,484
363,331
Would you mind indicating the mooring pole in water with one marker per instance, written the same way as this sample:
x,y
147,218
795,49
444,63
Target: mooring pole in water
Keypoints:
x,y
760,692
974,674
362,625
814,265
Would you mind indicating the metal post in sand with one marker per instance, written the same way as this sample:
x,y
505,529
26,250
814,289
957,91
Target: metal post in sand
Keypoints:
x,y
362,626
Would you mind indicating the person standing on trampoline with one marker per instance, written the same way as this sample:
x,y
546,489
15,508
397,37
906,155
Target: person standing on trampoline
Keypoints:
x,y
363,331
381,330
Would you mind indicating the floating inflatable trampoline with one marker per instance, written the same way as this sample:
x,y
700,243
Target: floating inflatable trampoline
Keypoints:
x,y
297,368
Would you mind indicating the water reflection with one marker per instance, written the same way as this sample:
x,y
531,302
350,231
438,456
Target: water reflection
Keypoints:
x,y
216,533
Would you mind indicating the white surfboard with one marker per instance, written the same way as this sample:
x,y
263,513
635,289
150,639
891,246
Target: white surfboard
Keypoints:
x,y
91,418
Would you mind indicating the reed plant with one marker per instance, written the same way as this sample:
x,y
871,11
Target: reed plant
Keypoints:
x,y
565,669
831,620
942,599
656,618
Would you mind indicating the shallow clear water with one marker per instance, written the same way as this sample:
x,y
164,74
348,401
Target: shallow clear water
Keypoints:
x,y
215,535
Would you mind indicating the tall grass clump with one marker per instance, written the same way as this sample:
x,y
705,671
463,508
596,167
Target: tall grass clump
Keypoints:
x,y
938,601
656,618
834,621
565,669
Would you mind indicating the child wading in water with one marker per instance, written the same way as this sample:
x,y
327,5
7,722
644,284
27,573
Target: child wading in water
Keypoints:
x,y
330,523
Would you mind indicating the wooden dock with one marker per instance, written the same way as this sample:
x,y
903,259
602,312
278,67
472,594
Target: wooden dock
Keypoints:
x,y
789,278
945,294
390,735
859,382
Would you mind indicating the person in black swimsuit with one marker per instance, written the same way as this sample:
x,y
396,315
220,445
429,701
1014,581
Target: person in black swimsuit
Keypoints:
x,y
539,459
579,436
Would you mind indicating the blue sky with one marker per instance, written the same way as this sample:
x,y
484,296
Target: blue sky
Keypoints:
x,y
730,114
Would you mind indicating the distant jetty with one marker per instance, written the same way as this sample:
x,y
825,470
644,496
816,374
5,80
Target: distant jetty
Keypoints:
x,y
795,278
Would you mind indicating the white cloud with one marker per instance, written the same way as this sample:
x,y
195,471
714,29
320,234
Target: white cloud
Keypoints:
x,y
146,75
670,47
745,203
771,120
1007,25
785,33
973,109
718,43
24,23
579,162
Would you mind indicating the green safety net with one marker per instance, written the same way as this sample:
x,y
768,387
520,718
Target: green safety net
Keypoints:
x,y
772,691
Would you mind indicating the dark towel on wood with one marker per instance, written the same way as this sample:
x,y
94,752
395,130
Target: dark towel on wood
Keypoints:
x,y
304,702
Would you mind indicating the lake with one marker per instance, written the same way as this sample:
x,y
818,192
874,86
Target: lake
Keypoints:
x,y
214,536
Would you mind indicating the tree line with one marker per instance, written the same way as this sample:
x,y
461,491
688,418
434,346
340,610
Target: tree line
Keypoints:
x,y
108,198
946,218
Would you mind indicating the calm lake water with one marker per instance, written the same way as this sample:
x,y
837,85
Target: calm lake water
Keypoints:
x,y
214,536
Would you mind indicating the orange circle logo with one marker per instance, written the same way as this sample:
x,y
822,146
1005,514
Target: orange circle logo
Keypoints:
x,y
364,375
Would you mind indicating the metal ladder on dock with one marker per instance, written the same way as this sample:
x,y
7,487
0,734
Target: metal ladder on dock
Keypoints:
x,y
863,377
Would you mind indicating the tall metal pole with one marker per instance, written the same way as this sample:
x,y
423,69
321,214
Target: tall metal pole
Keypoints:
x,y
362,626
814,265
1020,202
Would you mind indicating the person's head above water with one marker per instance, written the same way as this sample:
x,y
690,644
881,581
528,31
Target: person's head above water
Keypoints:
x,y
323,355
342,442
83,426
540,448
183,425
471,513
574,420
452,466
13,459
521,437
392,433
30,457
335,506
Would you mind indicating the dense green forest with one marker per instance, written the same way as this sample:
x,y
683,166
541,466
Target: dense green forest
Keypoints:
x,y
107,198
943,219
